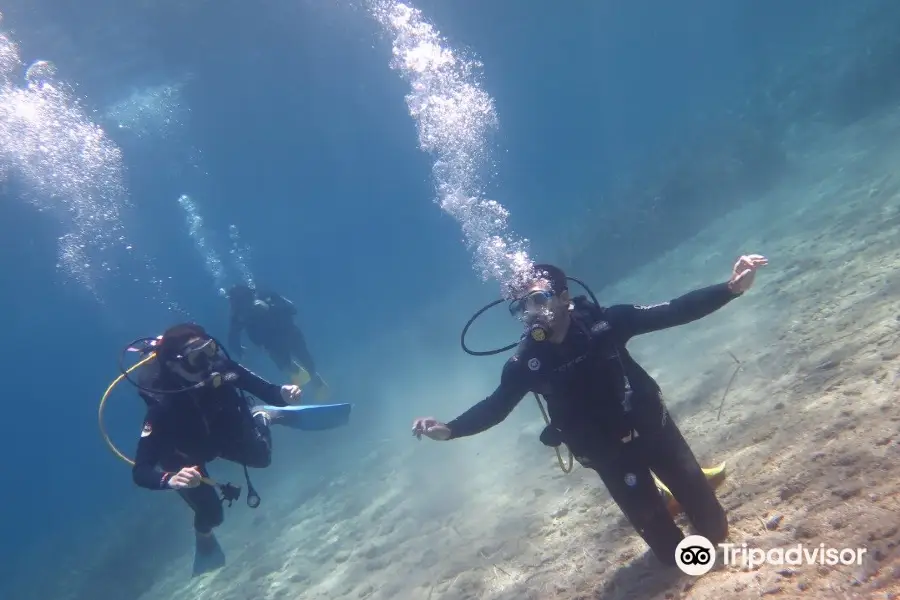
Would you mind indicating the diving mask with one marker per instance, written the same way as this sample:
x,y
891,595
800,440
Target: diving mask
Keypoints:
x,y
197,355
534,302
536,311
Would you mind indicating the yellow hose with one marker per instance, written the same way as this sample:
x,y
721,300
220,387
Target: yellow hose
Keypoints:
x,y
105,397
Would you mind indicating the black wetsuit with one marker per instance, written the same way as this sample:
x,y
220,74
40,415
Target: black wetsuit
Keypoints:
x,y
193,428
611,415
269,324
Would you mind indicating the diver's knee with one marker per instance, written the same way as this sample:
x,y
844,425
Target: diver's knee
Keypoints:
x,y
263,460
260,455
210,519
218,518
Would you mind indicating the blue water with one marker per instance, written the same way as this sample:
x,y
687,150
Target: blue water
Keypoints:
x,y
285,121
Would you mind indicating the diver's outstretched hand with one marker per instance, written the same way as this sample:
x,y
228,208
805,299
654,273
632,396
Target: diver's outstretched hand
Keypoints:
x,y
430,428
744,272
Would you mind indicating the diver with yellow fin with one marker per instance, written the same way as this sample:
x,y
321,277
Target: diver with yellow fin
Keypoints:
x,y
268,320
197,411
601,403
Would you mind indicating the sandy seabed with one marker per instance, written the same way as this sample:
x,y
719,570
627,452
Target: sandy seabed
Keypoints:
x,y
810,431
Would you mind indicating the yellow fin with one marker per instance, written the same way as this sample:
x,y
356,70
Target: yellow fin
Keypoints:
x,y
714,475
299,376
323,392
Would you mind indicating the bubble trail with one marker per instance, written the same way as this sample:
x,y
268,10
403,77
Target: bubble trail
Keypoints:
x,y
151,112
195,230
70,170
240,254
454,117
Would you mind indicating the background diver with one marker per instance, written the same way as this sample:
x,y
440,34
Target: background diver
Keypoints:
x,y
268,319
602,404
196,412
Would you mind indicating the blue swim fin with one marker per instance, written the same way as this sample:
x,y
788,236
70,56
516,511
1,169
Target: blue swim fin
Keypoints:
x,y
310,417
208,555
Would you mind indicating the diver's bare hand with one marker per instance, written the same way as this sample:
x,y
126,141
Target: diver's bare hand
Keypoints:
x,y
430,428
744,272
290,393
188,477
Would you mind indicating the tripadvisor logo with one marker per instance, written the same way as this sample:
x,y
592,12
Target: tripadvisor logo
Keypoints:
x,y
695,555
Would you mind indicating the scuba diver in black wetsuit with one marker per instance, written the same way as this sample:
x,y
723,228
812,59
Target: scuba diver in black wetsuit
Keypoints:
x,y
197,412
268,319
602,404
